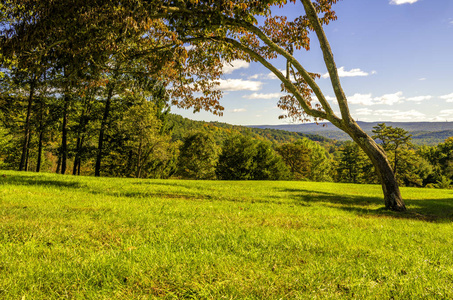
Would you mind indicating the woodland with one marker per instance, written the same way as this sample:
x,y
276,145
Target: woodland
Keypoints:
x,y
86,89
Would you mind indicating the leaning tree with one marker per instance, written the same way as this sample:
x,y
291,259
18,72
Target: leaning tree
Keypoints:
x,y
239,29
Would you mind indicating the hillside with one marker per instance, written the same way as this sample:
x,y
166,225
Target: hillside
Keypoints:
x,y
182,126
423,133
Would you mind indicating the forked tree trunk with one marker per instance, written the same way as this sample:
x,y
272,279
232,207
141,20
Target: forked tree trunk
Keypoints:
x,y
392,194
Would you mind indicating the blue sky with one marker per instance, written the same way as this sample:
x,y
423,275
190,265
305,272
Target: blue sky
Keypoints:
x,y
395,59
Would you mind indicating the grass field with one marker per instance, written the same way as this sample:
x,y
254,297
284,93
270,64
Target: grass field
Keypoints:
x,y
105,238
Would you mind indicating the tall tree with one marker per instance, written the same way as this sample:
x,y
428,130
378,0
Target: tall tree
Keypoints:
x,y
297,158
198,156
353,165
392,139
233,28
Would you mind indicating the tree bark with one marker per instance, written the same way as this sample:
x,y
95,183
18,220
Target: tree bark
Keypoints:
x,y
64,134
38,161
97,169
83,123
26,142
41,135
139,164
390,188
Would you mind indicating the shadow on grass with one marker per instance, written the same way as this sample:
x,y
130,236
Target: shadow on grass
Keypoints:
x,y
430,210
42,180
39,180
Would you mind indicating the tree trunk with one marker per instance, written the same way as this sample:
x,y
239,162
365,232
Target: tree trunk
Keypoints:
x,y
396,161
41,135
139,164
26,159
58,162
64,134
97,169
26,142
392,194
83,122
77,156
38,161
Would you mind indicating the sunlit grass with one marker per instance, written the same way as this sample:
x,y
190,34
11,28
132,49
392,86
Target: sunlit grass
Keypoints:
x,y
106,238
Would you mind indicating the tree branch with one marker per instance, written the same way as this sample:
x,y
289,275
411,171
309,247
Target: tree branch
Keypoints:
x,y
308,79
328,59
289,85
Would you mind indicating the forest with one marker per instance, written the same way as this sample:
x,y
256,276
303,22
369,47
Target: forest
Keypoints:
x,y
142,139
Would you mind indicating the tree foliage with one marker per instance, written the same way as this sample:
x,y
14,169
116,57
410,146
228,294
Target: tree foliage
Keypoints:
x,y
198,156
243,158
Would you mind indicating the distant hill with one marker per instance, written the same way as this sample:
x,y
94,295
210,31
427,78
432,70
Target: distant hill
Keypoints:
x,y
423,133
182,126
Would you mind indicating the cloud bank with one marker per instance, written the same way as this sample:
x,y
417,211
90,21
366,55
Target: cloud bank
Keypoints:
x,y
232,85
263,96
399,2
351,73
230,67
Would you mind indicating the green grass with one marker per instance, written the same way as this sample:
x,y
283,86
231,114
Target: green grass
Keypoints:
x,y
104,238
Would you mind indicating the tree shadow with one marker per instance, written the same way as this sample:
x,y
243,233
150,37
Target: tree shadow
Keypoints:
x,y
429,210
43,180
37,180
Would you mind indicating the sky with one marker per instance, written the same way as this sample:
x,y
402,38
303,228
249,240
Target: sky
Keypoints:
x,y
394,57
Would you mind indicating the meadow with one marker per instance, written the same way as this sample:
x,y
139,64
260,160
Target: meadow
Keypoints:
x,y
66,237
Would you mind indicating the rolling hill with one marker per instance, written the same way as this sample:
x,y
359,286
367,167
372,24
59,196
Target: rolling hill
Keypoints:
x,y
423,133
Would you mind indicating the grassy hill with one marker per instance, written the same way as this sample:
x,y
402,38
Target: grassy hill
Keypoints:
x,y
110,238
423,133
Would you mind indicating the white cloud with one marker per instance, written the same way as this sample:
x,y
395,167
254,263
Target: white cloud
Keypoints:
x,y
364,111
269,75
400,115
263,96
448,98
239,85
446,113
228,68
390,99
422,79
368,99
362,99
329,98
352,73
399,2
419,98
236,110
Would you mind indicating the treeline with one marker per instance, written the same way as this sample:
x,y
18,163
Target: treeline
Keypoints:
x,y
242,157
114,125
416,166
142,139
